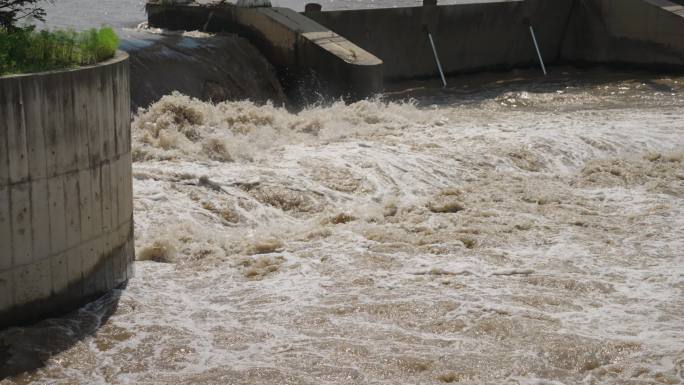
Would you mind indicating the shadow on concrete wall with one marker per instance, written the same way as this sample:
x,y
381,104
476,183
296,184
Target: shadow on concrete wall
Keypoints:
x,y
26,349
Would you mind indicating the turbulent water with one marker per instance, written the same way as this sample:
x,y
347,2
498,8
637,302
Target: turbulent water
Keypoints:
x,y
516,233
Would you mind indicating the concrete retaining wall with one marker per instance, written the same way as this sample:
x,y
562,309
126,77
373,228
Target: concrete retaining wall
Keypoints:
x,y
469,37
645,33
475,36
66,227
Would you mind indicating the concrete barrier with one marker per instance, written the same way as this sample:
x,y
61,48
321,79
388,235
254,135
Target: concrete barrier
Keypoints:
x,y
469,37
66,226
644,33
306,54
312,55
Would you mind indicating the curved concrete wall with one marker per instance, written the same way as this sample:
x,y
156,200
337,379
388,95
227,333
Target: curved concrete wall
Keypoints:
x,y
66,228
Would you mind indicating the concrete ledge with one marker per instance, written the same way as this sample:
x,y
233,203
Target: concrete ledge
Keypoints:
x,y
65,188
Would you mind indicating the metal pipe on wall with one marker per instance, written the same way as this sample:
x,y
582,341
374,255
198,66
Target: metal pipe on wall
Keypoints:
x,y
536,46
439,65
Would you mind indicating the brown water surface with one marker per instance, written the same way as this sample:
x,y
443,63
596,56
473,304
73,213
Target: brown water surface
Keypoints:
x,y
506,230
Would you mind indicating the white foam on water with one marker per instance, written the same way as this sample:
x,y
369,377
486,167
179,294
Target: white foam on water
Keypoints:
x,y
385,242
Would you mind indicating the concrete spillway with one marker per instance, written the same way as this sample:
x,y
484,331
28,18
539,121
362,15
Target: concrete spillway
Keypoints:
x,y
215,68
306,54
352,52
66,206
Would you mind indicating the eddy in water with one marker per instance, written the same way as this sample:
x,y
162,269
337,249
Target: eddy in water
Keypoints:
x,y
521,233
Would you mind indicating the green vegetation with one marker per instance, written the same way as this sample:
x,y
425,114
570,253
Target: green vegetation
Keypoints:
x,y
25,50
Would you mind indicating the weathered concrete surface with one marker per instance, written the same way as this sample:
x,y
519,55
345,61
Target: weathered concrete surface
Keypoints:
x,y
66,226
469,37
306,54
647,33
475,36
314,55
210,68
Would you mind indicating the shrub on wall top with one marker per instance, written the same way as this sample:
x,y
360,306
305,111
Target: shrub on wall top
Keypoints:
x,y
27,50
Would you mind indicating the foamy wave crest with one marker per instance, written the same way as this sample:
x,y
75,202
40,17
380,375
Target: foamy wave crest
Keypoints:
x,y
181,127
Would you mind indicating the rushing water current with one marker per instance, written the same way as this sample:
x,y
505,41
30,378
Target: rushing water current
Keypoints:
x,y
511,232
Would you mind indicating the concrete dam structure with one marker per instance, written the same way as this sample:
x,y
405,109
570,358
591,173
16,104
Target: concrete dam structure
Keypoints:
x,y
307,55
354,52
66,229
66,204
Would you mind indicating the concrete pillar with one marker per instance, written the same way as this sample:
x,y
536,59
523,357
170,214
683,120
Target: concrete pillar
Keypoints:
x,y
65,189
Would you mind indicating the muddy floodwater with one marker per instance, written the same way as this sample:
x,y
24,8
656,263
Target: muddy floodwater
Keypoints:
x,y
511,231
